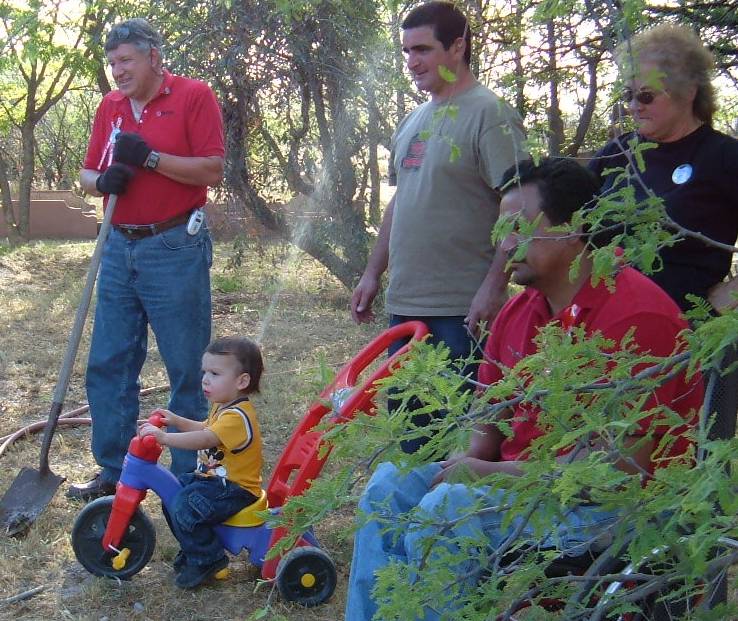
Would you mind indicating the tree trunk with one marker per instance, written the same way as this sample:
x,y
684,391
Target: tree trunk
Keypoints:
x,y
586,117
14,236
555,123
239,182
374,134
518,60
26,179
399,64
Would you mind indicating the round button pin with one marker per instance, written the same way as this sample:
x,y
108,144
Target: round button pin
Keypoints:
x,y
682,174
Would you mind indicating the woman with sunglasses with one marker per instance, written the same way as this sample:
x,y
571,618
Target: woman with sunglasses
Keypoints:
x,y
666,73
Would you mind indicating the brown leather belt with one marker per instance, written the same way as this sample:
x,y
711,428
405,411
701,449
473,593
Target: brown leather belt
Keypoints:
x,y
139,231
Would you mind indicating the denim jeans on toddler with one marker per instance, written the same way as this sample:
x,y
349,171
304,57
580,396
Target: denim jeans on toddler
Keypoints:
x,y
391,494
162,281
202,503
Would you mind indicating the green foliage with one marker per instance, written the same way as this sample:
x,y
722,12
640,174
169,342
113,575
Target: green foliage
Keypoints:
x,y
38,58
591,398
448,111
42,58
226,283
712,335
61,137
265,613
446,74
636,231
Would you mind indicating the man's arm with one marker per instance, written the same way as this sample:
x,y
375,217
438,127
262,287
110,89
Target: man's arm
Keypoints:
x,y
639,461
499,148
636,462
113,181
482,457
491,295
131,149
366,290
87,179
722,295
199,171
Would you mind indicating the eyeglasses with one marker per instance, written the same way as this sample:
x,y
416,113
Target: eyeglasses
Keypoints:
x,y
644,97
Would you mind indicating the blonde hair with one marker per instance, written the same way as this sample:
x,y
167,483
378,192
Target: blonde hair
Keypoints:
x,y
682,58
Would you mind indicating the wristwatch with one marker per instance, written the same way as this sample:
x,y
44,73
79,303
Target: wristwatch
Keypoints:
x,y
152,161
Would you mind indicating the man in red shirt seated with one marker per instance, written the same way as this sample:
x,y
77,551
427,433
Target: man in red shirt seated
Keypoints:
x,y
543,197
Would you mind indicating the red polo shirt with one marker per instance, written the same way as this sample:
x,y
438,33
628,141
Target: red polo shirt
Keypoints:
x,y
637,302
182,119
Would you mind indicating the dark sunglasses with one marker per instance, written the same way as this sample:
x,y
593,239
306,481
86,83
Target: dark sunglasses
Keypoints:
x,y
642,97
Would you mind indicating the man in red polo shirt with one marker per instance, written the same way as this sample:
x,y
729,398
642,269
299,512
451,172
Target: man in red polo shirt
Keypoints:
x,y
546,195
157,143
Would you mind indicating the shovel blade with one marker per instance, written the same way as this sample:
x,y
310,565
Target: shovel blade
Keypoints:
x,y
26,498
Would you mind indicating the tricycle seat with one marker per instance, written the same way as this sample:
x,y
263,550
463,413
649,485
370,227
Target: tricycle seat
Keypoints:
x,y
247,516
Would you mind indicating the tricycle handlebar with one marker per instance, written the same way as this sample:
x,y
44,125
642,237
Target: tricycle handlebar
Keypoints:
x,y
156,419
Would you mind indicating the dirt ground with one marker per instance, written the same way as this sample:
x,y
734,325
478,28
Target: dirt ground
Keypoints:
x,y
297,310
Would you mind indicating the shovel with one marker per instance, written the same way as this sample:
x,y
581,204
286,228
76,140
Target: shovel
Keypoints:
x,y
33,489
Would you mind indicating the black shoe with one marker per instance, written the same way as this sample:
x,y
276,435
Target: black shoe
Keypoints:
x,y
94,488
194,575
179,562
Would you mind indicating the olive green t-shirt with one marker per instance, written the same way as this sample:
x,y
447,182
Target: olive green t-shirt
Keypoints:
x,y
447,165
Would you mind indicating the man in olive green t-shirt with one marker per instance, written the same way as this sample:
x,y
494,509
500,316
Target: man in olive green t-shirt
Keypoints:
x,y
447,159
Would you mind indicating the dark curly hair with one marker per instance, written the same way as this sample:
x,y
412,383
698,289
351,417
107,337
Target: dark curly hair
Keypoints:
x,y
565,185
247,353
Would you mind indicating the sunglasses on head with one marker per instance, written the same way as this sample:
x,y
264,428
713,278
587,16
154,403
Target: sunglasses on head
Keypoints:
x,y
644,97
124,33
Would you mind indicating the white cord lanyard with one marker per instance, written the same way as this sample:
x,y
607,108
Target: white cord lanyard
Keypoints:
x,y
108,151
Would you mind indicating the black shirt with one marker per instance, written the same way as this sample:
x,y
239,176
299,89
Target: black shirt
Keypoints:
x,y
702,195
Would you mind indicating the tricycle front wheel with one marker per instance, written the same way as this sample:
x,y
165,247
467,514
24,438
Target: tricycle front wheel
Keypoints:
x,y
87,535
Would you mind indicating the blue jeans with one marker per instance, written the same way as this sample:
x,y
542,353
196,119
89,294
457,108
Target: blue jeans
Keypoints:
x,y
390,494
451,331
201,504
162,281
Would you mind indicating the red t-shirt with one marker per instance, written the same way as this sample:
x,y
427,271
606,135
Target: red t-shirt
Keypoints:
x,y
636,302
183,119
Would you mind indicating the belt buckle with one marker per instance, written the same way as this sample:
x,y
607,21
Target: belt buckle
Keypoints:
x,y
132,232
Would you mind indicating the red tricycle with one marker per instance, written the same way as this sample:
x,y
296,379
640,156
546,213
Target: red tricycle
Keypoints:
x,y
113,537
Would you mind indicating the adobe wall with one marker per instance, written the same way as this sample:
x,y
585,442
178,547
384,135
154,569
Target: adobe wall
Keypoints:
x,y
58,214
61,214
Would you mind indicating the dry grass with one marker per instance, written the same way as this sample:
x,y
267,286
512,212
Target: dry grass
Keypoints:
x,y
300,312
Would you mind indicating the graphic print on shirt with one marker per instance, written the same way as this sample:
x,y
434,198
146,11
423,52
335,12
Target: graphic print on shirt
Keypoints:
x,y
211,462
217,460
413,159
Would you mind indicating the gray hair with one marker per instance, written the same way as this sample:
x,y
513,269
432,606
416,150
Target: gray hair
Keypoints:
x,y
137,31
684,60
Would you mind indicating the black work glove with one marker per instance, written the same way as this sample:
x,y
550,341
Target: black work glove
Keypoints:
x,y
131,149
114,180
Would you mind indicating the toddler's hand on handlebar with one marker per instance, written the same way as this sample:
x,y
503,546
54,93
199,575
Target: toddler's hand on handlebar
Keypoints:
x,y
161,418
147,429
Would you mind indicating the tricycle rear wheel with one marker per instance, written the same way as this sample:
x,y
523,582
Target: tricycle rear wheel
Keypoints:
x,y
87,535
307,576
